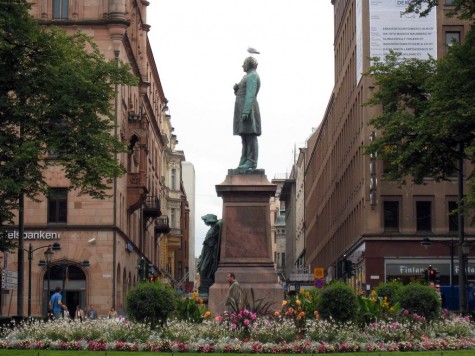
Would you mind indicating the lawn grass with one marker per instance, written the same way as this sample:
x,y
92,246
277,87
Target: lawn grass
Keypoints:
x,y
148,353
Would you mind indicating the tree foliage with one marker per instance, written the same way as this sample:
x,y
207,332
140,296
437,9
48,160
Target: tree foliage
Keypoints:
x,y
420,299
338,302
463,9
151,302
56,97
428,114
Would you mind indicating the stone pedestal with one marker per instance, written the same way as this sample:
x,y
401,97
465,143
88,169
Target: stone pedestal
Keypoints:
x,y
246,239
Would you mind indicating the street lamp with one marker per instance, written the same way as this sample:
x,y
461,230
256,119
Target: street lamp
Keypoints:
x,y
48,258
56,247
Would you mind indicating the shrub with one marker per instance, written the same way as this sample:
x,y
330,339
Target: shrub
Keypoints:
x,y
338,301
189,309
151,302
309,299
420,299
259,306
376,307
389,290
300,307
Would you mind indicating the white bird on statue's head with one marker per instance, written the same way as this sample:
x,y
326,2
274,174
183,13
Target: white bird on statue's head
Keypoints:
x,y
253,50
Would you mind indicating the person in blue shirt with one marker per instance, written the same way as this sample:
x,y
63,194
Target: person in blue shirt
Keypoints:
x,y
92,313
56,305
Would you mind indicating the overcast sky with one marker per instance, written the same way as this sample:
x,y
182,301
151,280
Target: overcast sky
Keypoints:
x,y
199,47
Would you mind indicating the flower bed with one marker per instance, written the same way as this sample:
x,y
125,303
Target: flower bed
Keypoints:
x,y
247,332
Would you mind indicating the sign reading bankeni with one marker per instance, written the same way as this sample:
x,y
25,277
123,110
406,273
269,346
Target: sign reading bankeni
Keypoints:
x,y
35,235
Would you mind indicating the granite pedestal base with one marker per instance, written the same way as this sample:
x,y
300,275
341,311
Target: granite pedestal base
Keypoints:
x,y
245,248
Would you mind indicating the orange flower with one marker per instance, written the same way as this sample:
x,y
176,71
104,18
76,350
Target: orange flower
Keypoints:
x,y
207,314
284,303
276,313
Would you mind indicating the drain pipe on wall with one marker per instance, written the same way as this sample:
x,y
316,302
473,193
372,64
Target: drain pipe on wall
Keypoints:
x,y
114,206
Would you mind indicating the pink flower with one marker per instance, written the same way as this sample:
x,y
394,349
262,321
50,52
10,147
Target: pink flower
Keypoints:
x,y
233,326
246,322
406,312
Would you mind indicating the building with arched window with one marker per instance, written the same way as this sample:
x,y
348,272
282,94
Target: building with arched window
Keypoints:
x,y
106,246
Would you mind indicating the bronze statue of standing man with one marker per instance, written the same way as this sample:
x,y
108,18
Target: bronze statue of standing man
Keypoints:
x,y
247,117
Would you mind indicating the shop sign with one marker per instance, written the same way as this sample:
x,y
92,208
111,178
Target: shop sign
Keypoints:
x,y
470,268
129,247
301,277
35,235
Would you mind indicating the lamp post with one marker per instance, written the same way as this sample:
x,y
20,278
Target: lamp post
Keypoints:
x,y
426,242
56,247
48,258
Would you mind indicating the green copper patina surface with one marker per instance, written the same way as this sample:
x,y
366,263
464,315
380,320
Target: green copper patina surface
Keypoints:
x,y
247,117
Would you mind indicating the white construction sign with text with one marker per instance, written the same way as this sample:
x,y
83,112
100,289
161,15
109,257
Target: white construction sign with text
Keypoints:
x,y
392,29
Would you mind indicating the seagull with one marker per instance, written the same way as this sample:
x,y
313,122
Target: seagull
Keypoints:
x,y
253,50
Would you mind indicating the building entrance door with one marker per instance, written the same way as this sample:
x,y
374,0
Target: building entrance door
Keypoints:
x,y
72,281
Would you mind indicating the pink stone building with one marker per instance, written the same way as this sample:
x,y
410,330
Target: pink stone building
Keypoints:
x,y
102,241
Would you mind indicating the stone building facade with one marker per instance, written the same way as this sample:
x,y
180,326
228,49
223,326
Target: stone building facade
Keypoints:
x,y
103,241
351,213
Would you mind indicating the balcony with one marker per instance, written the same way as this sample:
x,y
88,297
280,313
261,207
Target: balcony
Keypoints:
x,y
151,208
161,225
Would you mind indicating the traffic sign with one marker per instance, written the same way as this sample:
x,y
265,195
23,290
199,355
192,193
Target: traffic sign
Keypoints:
x,y
318,273
319,283
9,280
12,274
9,286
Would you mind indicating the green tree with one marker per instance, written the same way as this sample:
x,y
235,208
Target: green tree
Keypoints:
x,y
56,96
428,114
463,9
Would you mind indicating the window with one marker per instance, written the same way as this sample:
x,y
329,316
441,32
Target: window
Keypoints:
x,y
423,215
172,218
57,205
453,218
173,179
449,2
452,37
283,260
387,166
391,215
60,9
